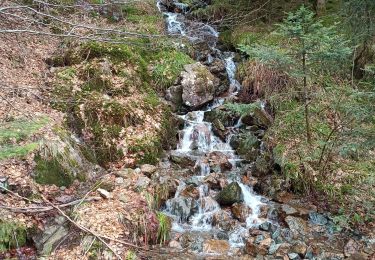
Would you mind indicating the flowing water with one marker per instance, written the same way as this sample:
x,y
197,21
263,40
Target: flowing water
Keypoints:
x,y
197,140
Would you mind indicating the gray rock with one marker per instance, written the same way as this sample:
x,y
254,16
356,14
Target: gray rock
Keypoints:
x,y
174,94
50,236
198,85
105,194
142,182
273,248
265,226
230,194
119,180
318,219
182,207
296,225
294,256
148,169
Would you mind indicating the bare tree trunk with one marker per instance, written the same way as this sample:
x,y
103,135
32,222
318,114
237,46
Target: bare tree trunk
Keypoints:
x,y
320,7
306,99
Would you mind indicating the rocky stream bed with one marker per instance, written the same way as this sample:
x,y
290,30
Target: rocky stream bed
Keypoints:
x,y
221,160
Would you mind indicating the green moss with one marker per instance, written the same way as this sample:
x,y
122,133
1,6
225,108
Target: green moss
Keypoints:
x,y
168,66
148,150
12,235
20,129
51,172
67,74
152,99
17,151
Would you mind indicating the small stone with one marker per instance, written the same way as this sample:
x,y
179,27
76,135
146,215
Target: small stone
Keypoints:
x,y
62,188
293,256
137,170
216,246
105,194
240,211
125,173
119,180
273,248
148,169
266,242
265,226
64,198
288,210
142,182
296,225
175,244
299,248
123,198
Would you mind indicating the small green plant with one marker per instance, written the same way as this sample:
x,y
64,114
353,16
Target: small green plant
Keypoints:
x,y
12,235
164,227
130,255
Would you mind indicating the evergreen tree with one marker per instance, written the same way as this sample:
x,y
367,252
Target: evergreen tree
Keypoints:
x,y
312,49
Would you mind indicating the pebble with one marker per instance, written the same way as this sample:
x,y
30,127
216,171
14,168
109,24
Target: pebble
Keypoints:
x,y
119,180
105,194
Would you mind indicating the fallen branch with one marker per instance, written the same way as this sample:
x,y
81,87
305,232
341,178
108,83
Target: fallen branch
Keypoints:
x,y
38,209
99,236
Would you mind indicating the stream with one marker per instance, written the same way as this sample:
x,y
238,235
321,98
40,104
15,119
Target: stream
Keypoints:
x,y
197,140
215,211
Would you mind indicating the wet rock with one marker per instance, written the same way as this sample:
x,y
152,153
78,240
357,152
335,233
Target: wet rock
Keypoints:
x,y
148,169
282,250
50,236
288,210
213,246
254,249
294,256
230,194
217,66
265,226
299,248
226,117
190,191
200,132
182,207
219,129
297,225
240,211
248,146
181,159
273,248
215,181
220,160
264,211
194,180
174,94
198,85
223,220
262,166
258,117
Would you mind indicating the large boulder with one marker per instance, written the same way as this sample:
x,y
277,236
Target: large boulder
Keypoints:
x,y
230,195
258,117
198,85
182,207
227,117
219,162
247,146
174,94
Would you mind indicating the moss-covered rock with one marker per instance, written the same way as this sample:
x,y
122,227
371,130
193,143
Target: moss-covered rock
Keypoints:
x,y
248,146
60,161
230,194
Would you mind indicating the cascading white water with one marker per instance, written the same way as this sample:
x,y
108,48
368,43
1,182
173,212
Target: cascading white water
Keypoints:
x,y
198,140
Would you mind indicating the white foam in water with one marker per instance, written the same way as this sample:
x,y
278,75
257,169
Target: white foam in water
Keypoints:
x,y
252,201
198,138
